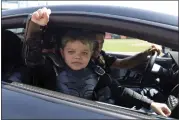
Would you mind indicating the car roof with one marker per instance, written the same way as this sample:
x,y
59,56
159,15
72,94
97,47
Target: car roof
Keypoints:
x,y
109,10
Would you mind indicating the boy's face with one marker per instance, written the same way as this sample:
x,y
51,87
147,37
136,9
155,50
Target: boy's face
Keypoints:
x,y
76,55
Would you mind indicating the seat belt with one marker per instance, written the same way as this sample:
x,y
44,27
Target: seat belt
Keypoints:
x,y
103,79
58,63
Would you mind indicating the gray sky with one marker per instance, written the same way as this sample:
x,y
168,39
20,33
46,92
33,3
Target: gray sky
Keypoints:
x,y
169,7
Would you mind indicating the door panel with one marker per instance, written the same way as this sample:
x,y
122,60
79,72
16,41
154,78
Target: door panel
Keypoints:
x,y
21,106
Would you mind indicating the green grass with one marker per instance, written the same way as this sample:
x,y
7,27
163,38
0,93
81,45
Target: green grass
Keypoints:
x,y
125,45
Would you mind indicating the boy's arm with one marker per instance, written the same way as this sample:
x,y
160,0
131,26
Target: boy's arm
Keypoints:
x,y
136,98
122,93
32,50
126,94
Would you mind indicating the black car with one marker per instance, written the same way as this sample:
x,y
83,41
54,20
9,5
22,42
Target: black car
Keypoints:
x,y
22,101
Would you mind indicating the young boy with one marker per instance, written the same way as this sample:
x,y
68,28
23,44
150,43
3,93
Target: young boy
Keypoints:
x,y
75,79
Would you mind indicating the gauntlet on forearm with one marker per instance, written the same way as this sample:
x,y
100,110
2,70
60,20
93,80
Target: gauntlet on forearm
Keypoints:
x,y
32,49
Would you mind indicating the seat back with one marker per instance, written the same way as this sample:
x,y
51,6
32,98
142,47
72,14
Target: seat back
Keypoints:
x,y
11,49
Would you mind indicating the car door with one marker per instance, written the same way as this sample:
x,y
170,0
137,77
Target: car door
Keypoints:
x,y
21,101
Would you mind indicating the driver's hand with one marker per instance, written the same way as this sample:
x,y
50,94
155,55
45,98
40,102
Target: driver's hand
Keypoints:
x,y
153,49
41,16
161,109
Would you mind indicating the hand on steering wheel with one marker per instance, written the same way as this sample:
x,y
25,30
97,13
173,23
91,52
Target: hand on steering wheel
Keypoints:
x,y
153,51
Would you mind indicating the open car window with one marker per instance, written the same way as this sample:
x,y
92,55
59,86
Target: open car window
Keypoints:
x,y
115,43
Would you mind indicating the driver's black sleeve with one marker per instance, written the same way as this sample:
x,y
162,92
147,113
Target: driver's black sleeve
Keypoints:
x,y
129,96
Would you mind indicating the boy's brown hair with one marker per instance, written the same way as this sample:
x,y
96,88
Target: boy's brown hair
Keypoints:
x,y
85,37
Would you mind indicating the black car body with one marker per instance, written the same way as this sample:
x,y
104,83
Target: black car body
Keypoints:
x,y
21,101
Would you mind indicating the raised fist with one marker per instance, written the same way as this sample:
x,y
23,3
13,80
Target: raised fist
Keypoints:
x,y
41,16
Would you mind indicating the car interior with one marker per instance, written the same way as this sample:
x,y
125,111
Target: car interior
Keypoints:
x,y
148,74
11,51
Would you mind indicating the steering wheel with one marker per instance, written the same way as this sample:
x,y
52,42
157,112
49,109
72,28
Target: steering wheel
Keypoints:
x,y
151,62
149,66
